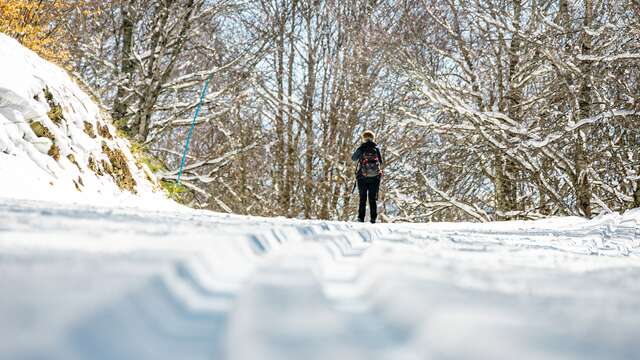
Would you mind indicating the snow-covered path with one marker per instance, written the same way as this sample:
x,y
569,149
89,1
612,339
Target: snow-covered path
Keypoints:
x,y
109,283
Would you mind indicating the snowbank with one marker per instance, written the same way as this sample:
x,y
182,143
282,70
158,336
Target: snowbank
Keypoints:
x,y
57,145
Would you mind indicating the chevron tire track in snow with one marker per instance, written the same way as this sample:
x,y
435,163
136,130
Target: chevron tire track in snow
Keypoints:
x,y
115,283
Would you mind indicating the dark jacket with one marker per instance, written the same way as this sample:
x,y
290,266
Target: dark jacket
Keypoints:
x,y
360,150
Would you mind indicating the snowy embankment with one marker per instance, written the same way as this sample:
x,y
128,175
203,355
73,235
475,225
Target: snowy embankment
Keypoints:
x,y
57,144
109,283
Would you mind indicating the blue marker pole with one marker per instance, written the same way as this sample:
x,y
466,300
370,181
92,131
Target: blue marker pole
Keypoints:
x,y
193,125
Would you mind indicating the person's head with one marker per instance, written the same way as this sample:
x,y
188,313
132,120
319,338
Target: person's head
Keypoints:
x,y
368,135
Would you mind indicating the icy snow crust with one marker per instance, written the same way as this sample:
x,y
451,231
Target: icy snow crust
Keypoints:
x,y
26,169
114,283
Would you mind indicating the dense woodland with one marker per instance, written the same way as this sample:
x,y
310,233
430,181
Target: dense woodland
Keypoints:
x,y
484,109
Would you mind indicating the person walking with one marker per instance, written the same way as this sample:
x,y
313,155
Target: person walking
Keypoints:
x,y
368,175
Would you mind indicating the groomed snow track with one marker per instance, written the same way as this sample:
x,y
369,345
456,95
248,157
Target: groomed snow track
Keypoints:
x,y
106,283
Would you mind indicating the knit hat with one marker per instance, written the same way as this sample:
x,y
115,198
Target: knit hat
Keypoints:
x,y
368,134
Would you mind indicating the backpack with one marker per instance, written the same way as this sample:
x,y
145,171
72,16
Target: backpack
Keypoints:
x,y
370,163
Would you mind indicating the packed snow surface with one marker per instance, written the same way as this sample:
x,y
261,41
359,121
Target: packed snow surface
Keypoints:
x,y
88,282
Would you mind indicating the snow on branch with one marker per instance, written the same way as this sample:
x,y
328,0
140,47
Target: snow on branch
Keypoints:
x,y
219,161
478,214
609,58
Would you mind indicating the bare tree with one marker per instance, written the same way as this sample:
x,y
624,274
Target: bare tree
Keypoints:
x,y
485,110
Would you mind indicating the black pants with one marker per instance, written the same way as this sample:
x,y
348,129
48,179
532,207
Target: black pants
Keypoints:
x,y
368,189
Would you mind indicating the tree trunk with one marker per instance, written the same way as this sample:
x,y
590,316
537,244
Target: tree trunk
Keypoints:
x,y
126,64
511,170
308,102
165,64
279,116
582,184
291,150
147,100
